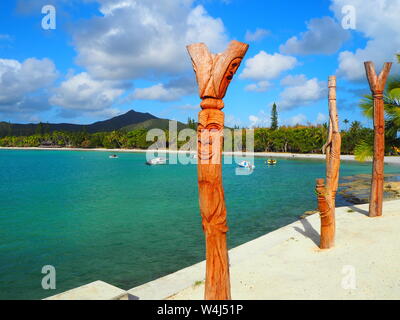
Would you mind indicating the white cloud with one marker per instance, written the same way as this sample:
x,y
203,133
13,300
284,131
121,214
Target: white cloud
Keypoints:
x,y
105,114
204,28
301,93
321,118
158,92
254,121
109,7
378,21
260,86
260,120
23,85
144,38
264,66
296,120
171,91
128,39
256,35
293,80
324,36
82,92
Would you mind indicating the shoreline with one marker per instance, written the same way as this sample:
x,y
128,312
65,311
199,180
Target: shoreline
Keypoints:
x,y
388,160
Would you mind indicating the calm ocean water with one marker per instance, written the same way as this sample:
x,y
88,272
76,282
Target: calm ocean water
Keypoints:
x,y
120,221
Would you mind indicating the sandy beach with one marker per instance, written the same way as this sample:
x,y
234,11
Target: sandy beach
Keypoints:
x,y
287,263
388,160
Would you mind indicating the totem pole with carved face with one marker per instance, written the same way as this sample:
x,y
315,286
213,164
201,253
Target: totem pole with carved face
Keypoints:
x,y
327,194
214,72
377,84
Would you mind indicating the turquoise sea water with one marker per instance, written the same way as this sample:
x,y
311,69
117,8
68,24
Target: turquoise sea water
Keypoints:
x,y
120,221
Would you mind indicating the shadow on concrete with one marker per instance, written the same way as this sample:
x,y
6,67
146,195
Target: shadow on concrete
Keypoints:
x,y
364,212
308,231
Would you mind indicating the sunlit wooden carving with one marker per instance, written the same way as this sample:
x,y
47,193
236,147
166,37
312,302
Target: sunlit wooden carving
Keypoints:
x,y
327,193
214,72
377,85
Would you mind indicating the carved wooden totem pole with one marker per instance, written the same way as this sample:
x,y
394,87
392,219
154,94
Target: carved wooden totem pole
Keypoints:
x,y
327,194
214,72
377,85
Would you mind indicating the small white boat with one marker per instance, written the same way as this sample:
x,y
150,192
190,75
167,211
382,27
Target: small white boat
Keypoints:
x,y
246,165
156,161
113,156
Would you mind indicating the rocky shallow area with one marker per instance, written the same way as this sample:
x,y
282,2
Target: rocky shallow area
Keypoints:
x,y
356,189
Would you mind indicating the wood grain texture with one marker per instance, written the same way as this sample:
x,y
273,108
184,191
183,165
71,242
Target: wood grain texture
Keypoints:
x,y
327,193
377,86
214,72
326,237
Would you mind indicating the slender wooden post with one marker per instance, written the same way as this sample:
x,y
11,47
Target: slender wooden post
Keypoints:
x,y
377,85
327,194
214,73
327,232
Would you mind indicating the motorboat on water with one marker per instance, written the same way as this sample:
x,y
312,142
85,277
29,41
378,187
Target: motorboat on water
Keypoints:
x,y
113,156
271,162
246,165
156,161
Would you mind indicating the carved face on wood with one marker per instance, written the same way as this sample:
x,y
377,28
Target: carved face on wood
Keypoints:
x,y
210,134
214,72
228,76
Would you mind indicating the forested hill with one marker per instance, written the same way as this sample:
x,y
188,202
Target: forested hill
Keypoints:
x,y
128,119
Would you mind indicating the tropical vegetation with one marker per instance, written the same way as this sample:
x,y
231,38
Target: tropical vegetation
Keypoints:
x,y
299,139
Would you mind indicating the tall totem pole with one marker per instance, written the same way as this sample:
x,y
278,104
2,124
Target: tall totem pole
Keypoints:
x,y
377,85
327,194
214,72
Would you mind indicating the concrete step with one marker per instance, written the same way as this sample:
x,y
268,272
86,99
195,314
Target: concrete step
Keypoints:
x,y
97,290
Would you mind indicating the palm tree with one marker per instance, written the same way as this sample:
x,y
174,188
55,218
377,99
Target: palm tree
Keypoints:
x,y
392,111
346,122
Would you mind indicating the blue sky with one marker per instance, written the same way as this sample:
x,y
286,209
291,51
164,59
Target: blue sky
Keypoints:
x,y
106,57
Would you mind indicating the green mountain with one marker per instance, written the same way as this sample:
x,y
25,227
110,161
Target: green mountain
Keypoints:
x,y
125,120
